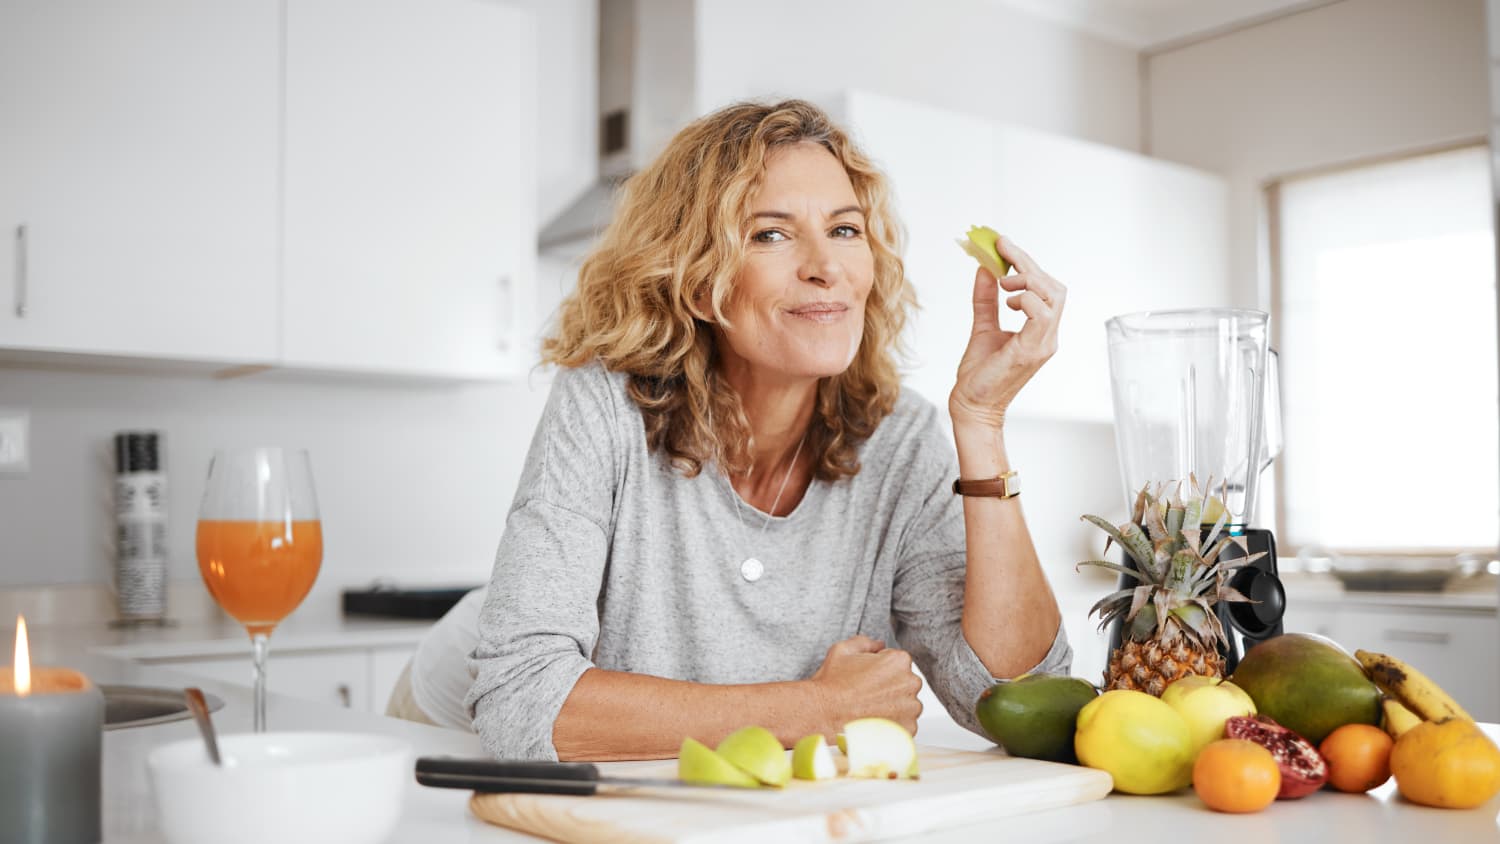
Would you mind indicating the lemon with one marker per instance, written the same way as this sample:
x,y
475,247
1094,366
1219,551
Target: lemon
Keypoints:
x,y
1206,703
1143,743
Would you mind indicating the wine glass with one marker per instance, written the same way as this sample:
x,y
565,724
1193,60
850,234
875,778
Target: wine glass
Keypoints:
x,y
260,542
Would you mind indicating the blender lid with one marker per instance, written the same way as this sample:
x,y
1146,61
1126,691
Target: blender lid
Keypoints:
x,y
1181,319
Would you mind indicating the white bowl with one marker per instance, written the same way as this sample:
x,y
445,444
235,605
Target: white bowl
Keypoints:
x,y
281,787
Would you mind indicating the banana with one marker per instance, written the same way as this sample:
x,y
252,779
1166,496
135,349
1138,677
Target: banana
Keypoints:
x,y
1397,719
1410,686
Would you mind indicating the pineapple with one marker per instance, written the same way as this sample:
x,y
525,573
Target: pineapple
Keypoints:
x,y
1169,626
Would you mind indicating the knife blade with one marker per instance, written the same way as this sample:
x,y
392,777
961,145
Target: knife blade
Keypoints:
x,y
526,777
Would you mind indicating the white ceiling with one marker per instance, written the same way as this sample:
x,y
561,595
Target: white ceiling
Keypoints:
x,y
1151,24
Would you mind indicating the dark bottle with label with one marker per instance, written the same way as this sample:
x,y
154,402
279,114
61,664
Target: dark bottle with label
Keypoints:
x,y
140,528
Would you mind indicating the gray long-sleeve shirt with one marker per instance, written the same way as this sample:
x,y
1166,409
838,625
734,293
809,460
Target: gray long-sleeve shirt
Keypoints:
x,y
611,558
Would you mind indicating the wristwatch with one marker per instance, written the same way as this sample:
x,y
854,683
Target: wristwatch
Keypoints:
x,y
1005,486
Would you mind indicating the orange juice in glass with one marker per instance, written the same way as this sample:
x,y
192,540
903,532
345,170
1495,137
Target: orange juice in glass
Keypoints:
x,y
260,543
259,571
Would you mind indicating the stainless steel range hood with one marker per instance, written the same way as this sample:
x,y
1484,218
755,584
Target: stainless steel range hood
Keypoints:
x,y
647,88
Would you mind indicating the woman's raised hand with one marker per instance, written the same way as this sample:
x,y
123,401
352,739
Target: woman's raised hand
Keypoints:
x,y
861,677
998,363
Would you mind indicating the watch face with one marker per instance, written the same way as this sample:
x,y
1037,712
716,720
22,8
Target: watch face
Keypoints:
x,y
1012,486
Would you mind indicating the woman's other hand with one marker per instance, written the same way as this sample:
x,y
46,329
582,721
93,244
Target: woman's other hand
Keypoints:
x,y
998,363
861,677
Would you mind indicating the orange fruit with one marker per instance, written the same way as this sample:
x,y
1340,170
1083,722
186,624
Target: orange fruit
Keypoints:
x,y
1235,775
1359,757
1450,764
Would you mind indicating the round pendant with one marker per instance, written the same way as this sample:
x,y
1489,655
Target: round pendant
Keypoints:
x,y
751,569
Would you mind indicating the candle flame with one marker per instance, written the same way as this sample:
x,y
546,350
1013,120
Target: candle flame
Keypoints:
x,y
23,658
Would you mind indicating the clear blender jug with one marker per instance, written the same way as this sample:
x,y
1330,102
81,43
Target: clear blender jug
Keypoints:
x,y
1191,399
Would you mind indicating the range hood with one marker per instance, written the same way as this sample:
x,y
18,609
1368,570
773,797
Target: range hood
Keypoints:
x,y
647,88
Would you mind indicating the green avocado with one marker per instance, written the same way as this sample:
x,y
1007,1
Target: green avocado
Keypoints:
x,y
1035,715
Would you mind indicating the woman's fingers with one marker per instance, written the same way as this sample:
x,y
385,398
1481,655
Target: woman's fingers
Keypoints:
x,y
1040,330
986,302
858,644
1016,255
1049,289
1033,306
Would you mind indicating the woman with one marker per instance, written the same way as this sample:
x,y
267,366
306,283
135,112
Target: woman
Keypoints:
x,y
730,513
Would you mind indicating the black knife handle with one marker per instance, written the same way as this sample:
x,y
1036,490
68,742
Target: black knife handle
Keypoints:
x,y
515,777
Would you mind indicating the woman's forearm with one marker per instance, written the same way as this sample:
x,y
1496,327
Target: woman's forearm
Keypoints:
x,y
1010,615
613,715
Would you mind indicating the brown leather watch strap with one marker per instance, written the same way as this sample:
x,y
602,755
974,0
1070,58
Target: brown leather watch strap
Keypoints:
x,y
1005,486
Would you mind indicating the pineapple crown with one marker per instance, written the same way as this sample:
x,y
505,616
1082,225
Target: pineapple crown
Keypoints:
x,y
1176,563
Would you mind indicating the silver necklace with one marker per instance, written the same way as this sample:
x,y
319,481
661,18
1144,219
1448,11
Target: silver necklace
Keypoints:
x,y
752,569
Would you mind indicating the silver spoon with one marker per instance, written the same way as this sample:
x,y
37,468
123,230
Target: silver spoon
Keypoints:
x,y
199,706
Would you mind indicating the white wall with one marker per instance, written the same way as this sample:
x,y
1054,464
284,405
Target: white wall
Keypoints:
x,y
967,55
1333,85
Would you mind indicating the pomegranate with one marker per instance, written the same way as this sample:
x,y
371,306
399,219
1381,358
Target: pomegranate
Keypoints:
x,y
1303,770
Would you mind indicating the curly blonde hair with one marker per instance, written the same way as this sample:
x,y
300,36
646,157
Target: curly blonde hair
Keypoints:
x,y
678,237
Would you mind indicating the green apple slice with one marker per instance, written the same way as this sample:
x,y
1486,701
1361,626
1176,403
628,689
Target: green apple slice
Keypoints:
x,y
879,748
812,760
980,244
697,762
758,753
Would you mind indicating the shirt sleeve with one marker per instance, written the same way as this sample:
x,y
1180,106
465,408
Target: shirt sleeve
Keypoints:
x,y
927,598
540,621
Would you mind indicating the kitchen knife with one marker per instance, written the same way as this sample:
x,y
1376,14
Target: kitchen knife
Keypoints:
x,y
489,775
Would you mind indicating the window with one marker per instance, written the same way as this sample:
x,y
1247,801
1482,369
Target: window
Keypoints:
x,y
1386,320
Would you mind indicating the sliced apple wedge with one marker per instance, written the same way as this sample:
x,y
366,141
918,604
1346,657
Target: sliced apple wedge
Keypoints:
x,y
812,760
758,753
981,245
697,762
879,748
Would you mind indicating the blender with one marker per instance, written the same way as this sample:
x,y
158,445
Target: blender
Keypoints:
x,y
1195,395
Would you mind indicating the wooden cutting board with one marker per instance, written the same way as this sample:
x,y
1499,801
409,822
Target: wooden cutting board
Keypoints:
x,y
957,787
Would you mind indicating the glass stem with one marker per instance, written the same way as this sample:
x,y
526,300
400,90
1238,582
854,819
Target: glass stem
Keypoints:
x,y
260,643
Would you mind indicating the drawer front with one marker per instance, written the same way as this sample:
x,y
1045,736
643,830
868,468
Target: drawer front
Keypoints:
x,y
1457,650
1320,619
386,665
328,677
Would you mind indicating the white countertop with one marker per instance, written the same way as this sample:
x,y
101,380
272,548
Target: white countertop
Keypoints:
x,y
441,816
1479,594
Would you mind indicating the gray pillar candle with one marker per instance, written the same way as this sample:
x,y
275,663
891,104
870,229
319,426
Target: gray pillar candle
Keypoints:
x,y
51,725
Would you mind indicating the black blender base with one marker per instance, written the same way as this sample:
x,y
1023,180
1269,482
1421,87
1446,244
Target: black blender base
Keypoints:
x,y
1247,625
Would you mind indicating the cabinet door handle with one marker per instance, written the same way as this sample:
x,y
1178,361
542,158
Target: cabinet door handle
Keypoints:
x,y
346,698
1429,637
507,312
21,271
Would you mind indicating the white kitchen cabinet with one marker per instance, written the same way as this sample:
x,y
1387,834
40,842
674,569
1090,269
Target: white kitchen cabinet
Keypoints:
x,y
1455,647
354,678
386,666
1123,231
138,178
338,677
324,185
410,201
